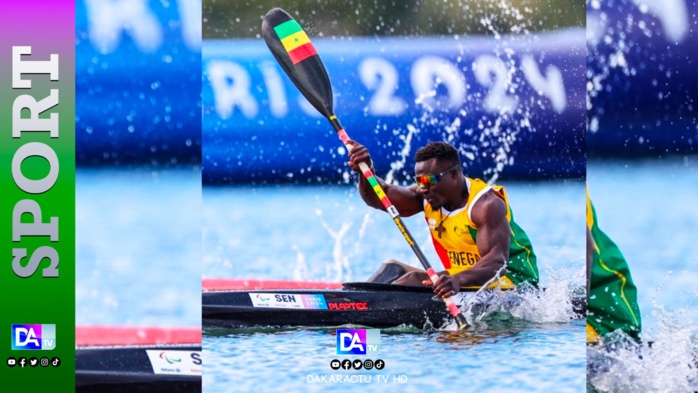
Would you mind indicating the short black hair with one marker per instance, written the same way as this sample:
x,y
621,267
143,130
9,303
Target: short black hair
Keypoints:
x,y
442,151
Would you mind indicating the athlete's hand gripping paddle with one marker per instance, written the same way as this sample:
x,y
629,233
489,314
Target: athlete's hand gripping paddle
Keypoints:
x,y
297,56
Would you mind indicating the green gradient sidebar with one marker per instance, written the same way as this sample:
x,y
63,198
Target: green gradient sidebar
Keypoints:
x,y
37,209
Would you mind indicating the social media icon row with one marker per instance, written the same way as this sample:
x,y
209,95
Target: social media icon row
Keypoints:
x,y
33,362
357,364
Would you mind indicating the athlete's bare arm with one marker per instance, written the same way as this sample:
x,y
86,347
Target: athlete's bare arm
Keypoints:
x,y
493,238
406,200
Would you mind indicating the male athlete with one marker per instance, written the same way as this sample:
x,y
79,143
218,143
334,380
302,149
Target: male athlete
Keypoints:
x,y
471,224
612,296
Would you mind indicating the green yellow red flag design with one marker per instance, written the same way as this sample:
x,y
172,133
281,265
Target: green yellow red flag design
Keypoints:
x,y
295,41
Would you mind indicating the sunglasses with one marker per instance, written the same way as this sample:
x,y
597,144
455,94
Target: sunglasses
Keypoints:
x,y
424,181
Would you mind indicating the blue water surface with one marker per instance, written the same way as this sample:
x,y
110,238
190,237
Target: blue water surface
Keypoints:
x,y
650,210
327,233
138,247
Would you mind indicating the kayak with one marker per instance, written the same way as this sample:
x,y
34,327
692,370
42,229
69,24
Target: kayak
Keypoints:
x,y
131,359
139,369
366,304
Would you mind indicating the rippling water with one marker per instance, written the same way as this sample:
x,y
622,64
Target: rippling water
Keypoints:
x,y
131,247
327,233
511,355
138,247
650,209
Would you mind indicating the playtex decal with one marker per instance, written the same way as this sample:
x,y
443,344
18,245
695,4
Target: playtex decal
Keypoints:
x,y
287,300
175,362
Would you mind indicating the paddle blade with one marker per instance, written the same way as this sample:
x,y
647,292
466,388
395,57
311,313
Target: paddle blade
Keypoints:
x,y
297,56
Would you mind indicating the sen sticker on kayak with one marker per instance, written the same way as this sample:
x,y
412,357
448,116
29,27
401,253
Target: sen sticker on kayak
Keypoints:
x,y
288,300
175,362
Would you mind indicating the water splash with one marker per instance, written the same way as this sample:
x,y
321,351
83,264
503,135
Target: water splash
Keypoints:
x,y
342,272
367,219
553,304
404,152
619,31
300,272
511,116
666,360
489,133
667,363
607,48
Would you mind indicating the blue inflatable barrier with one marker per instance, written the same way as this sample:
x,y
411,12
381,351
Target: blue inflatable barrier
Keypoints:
x,y
514,107
138,82
642,83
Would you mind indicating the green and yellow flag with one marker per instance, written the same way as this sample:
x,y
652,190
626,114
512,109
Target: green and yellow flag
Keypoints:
x,y
295,41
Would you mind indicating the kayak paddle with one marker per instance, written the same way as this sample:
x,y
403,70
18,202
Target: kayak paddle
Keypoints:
x,y
297,56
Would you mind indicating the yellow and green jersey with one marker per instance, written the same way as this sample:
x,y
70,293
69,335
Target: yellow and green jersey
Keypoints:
x,y
612,298
454,237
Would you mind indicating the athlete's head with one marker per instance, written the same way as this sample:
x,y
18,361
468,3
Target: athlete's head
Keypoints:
x,y
441,151
438,174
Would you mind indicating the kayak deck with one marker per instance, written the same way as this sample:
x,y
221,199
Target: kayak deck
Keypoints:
x,y
131,369
367,304
137,359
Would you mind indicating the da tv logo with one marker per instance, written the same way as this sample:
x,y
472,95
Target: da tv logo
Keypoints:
x,y
33,337
358,341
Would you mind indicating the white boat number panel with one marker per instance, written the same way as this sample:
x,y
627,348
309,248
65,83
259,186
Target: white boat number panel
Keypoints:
x,y
288,300
175,362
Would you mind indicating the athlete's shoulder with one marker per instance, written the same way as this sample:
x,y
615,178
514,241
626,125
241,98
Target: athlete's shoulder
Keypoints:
x,y
477,186
489,207
474,180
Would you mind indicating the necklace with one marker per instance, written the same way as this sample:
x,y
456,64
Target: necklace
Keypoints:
x,y
440,228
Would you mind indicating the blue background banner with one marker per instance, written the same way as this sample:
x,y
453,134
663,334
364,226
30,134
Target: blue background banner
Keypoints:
x,y
138,83
642,79
515,107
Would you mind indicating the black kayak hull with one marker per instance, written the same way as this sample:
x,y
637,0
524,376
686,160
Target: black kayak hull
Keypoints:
x,y
365,304
129,369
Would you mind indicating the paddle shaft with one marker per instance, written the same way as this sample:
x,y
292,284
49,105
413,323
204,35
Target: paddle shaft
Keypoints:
x,y
294,52
371,178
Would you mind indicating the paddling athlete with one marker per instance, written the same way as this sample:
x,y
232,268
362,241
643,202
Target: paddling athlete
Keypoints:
x,y
471,224
612,295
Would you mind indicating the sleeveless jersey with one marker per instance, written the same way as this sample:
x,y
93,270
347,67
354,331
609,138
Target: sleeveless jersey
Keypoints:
x,y
457,248
612,298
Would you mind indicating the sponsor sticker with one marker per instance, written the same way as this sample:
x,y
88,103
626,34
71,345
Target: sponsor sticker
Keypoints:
x,y
288,300
316,302
174,362
362,306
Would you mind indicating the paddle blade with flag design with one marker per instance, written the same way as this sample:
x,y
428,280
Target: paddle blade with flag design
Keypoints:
x,y
297,56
